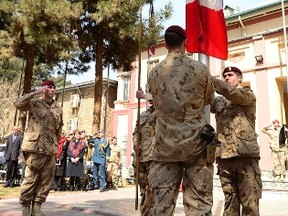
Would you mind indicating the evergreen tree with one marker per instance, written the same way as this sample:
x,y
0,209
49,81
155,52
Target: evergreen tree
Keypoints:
x,y
108,34
41,30
53,31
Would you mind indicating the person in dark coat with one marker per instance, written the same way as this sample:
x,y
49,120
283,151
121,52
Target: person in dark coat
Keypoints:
x,y
283,135
12,152
61,161
75,153
283,142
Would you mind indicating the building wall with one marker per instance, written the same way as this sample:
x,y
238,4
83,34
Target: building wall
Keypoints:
x,y
83,112
261,35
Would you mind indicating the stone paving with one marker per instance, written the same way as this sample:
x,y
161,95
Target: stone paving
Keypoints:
x,y
121,203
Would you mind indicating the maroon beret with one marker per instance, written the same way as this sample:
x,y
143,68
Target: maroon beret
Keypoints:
x,y
232,69
48,83
177,29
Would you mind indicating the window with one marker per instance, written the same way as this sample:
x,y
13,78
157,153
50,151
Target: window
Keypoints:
x,y
126,87
236,57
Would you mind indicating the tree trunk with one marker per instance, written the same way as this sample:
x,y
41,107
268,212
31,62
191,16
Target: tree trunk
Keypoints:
x,y
98,83
30,57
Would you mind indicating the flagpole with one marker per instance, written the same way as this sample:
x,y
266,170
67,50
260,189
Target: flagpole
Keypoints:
x,y
138,108
148,63
205,60
151,14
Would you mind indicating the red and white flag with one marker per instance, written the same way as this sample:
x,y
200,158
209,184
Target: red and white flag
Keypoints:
x,y
206,28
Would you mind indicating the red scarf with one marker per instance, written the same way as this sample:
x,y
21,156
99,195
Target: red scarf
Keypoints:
x,y
76,147
60,146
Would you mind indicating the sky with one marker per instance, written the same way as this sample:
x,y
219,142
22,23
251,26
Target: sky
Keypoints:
x,y
177,18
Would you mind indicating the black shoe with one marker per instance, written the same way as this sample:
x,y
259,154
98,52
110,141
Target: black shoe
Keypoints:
x,y
102,190
6,185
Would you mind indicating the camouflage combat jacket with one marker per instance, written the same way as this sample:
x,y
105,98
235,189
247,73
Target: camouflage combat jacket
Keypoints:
x,y
274,138
115,156
44,124
147,133
235,118
181,87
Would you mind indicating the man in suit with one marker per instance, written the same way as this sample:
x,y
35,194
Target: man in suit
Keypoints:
x,y
13,144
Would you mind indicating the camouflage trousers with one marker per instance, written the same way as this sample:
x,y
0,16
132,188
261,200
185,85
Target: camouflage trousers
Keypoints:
x,y
278,159
242,186
164,180
112,172
143,184
38,178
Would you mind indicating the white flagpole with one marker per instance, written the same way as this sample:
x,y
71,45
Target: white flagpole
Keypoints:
x,y
205,60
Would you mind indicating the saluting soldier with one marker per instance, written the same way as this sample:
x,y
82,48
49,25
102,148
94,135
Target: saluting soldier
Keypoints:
x,y
277,150
114,163
239,154
40,145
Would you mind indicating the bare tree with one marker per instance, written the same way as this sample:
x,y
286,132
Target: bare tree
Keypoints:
x,y
8,94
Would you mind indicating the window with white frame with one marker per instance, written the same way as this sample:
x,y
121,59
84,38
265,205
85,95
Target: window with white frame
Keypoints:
x,y
126,87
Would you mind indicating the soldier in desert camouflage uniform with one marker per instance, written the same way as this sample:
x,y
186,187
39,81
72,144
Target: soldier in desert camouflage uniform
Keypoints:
x,y
39,146
114,163
239,154
277,150
181,87
144,151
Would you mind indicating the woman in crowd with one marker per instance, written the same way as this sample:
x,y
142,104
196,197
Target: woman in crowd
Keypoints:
x,y
61,161
75,154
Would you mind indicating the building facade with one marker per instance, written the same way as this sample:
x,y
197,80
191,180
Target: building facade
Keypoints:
x,y
256,46
78,106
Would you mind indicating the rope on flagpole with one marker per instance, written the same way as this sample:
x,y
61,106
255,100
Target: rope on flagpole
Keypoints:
x,y
150,46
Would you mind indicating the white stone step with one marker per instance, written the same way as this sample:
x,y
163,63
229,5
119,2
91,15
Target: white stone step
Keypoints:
x,y
267,181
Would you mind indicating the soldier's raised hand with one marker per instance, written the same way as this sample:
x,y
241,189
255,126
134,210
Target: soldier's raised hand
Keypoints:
x,y
41,90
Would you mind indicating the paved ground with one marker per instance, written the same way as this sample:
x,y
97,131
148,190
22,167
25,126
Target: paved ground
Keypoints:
x,y
121,203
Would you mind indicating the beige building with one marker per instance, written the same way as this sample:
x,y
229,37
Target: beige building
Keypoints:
x,y
78,105
256,46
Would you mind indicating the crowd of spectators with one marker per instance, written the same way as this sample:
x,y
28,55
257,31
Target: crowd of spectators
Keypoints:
x,y
87,162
